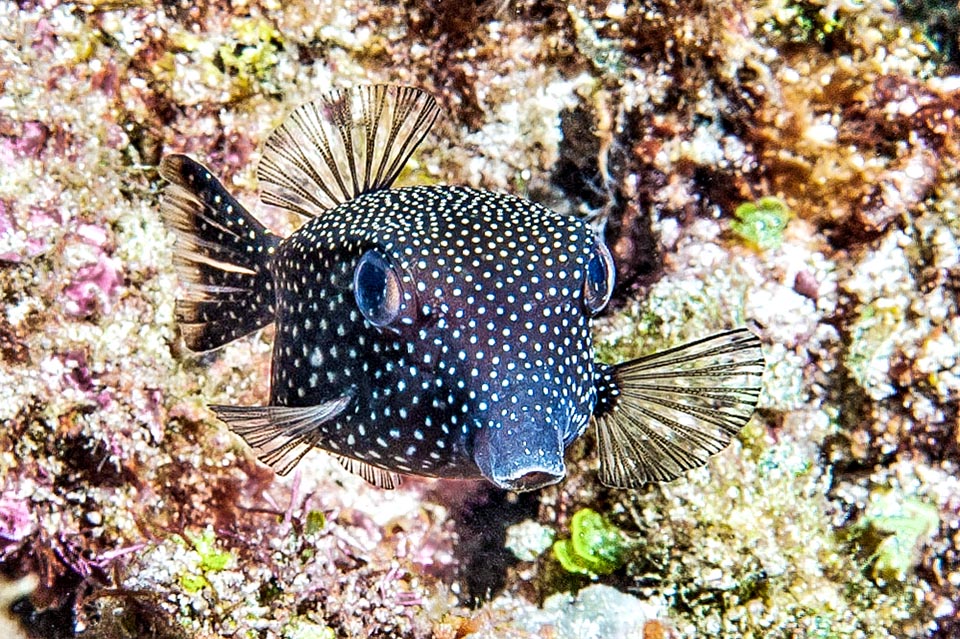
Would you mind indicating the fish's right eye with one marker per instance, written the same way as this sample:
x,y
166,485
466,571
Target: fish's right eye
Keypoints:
x,y
378,289
598,283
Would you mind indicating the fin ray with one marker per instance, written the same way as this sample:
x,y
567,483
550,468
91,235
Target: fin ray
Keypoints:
x,y
666,413
281,435
347,143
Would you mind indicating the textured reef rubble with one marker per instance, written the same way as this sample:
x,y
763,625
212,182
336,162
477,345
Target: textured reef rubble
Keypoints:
x,y
793,165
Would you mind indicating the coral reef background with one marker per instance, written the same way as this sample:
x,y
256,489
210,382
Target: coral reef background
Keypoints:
x,y
793,164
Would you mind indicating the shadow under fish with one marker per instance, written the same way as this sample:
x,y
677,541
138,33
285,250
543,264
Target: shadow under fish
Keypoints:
x,y
440,331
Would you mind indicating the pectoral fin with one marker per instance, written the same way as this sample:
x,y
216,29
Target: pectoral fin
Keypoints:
x,y
281,435
663,414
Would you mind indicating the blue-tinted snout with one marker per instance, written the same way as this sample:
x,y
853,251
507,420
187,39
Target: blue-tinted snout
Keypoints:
x,y
521,455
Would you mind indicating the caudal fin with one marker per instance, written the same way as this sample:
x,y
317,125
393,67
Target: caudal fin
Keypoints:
x,y
222,255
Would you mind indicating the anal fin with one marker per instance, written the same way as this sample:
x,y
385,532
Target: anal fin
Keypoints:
x,y
377,476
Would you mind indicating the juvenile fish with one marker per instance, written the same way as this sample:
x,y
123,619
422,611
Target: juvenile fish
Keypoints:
x,y
440,331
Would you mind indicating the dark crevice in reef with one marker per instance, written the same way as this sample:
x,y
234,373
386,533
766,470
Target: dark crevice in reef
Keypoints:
x,y
482,514
50,621
941,22
603,191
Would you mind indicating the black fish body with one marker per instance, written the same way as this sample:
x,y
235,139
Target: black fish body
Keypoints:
x,y
483,342
432,330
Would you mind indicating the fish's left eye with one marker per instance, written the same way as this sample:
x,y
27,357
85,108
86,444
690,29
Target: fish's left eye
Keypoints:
x,y
598,284
378,289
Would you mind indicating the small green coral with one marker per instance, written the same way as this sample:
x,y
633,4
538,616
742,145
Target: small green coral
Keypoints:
x,y
595,547
761,223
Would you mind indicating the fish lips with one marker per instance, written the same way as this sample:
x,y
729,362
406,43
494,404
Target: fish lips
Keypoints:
x,y
520,456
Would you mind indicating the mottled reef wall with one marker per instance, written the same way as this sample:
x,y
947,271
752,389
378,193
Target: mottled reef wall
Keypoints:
x,y
788,164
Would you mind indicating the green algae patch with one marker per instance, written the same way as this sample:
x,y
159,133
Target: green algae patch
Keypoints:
x,y
208,559
299,629
761,224
252,57
595,547
801,22
891,530
872,346
606,55
316,520
211,558
193,583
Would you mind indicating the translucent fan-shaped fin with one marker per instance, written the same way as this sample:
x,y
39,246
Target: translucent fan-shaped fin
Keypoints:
x,y
281,435
345,144
663,414
377,476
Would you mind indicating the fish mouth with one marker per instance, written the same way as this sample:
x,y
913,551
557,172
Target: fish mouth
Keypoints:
x,y
520,457
533,480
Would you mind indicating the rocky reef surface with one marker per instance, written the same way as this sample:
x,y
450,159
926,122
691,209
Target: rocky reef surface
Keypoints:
x,y
789,164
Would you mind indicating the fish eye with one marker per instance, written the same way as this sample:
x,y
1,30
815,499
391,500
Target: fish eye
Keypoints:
x,y
377,288
598,284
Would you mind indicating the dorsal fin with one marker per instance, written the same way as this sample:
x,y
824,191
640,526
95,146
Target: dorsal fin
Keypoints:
x,y
347,143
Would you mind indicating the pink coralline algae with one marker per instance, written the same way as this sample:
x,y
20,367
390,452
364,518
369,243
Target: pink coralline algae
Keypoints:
x,y
27,144
28,238
77,375
16,521
94,286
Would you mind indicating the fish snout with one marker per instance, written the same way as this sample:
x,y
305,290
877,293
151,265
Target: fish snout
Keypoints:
x,y
520,456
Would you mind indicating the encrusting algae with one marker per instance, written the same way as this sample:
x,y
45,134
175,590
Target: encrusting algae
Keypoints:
x,y
128,510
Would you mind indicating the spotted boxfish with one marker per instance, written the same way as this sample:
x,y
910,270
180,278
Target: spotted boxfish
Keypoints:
x,y
439,331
